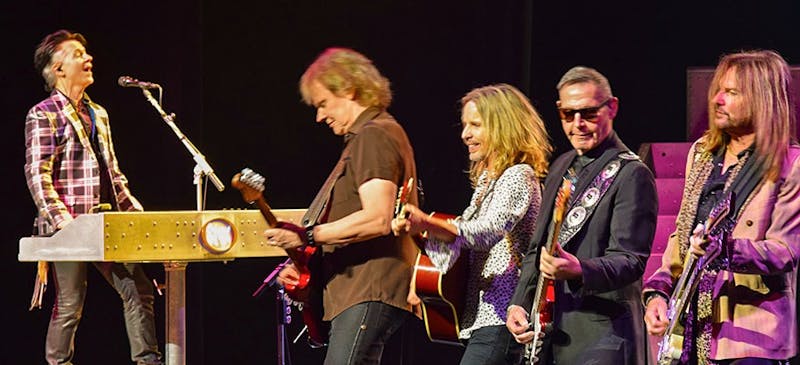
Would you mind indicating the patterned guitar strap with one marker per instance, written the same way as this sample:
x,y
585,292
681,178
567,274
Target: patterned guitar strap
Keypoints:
x,y
583,206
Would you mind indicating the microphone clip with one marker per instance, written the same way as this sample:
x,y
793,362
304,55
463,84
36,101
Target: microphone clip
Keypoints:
x,y
127,81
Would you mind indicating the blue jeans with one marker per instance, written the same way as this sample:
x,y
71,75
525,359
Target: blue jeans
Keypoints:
x,y
492,345
359,334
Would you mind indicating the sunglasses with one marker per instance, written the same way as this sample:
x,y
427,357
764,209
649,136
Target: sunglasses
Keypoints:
x,y
587,114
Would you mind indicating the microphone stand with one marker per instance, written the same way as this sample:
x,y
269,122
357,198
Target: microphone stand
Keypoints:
x,y
176,270
283,312
202,168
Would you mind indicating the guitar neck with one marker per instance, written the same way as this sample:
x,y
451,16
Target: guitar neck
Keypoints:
x,y
266,211
538,299
538,296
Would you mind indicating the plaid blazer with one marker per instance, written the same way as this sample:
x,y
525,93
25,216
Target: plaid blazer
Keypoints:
x,y
61,168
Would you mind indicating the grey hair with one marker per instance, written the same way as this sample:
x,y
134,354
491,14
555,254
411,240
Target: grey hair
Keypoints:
x,y
43,56
581,74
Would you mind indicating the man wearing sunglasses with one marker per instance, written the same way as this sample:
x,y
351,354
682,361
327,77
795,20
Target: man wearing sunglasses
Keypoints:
x,y
595,252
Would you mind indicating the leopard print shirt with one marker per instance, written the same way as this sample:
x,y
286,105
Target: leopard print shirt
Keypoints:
x,y
495,230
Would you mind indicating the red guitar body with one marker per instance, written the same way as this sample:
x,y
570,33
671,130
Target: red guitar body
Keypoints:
x,y
546,306
305,260
309,292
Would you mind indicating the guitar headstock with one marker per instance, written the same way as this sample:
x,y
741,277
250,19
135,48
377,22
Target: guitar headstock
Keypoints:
x,y
562,197
719,212
715,234
402,196
250,184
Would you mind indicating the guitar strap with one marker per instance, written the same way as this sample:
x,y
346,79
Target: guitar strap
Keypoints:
x,y
584,206
319,205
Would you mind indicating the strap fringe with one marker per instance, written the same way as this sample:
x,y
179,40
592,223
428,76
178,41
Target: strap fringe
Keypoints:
x,y
39,286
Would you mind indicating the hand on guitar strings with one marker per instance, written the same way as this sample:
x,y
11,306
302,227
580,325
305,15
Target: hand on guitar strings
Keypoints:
x,y
698,241
285,235
289,276
518,324
560,266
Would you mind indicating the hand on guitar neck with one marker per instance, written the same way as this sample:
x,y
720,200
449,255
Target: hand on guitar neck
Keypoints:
x,y
561,265
414,221
408,219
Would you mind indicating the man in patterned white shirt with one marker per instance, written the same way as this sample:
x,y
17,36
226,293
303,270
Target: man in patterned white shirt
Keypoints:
x,y
598,256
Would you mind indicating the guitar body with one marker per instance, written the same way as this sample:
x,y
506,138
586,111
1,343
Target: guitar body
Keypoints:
x,y
671,346
309,292
441,294
305,259
544,314
442,298
542,322
670,349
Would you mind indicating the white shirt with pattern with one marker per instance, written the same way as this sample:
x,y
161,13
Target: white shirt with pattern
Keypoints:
x,y
495,230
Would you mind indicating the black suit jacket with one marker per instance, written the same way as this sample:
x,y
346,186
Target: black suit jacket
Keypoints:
x,y
599,320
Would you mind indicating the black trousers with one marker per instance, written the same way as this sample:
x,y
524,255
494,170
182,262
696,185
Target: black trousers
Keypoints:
x,y
136,291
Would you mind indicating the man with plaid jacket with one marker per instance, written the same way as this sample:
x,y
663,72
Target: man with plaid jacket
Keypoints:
x,y
71,168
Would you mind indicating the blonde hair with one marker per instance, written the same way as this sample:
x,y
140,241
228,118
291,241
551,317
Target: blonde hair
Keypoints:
x,y
344,71
515,131
764,80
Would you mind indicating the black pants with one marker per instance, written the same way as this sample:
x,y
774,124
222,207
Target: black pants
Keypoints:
x,y
130,281
492,345
358,334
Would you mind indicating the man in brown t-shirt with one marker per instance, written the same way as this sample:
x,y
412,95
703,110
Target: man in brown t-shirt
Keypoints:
x,y
366,270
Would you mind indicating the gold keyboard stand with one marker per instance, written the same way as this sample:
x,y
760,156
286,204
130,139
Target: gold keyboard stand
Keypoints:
x,y
173,238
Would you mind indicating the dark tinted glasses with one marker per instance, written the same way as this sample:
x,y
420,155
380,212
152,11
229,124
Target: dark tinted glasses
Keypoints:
x,y
587,114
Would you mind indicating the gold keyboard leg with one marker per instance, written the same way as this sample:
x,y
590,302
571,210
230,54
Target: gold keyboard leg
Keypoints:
x,y
176,313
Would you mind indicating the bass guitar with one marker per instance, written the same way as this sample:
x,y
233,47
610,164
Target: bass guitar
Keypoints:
x,y
305,259
671,346
545,295
441,294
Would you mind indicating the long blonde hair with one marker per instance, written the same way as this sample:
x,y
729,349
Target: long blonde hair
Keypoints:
x,y
515,131
765,82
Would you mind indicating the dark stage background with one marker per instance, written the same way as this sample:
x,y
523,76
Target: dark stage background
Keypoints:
x,y
230,70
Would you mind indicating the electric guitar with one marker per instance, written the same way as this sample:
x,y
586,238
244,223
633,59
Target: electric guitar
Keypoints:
x,y
307,291
442,294
671,346
545,295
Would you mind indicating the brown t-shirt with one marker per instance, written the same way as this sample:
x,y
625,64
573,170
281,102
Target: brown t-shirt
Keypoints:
x,y
378,269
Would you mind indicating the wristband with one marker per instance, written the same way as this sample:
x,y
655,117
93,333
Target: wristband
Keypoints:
x,y
310,236
653,294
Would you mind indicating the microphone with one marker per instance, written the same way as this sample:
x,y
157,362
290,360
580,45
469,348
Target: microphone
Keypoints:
x,y
127,81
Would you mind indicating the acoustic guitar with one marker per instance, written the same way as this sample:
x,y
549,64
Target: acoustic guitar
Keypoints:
x,y
442,294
